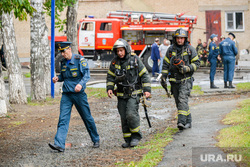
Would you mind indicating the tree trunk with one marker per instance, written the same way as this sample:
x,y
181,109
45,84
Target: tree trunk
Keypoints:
x,y
17,93
47,53
72,26
3,96
37,55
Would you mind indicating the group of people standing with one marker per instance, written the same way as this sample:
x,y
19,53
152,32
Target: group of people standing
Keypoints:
x,y
158,53
214,56
227,51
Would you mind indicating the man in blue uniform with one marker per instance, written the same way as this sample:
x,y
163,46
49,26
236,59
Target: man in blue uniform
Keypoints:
x,y
228,51
212,58
75,74
155,56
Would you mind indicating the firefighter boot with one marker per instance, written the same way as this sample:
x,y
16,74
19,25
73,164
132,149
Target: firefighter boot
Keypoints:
x,y
126,144
188,125
180,126
225,84
212,86
134,142
231,85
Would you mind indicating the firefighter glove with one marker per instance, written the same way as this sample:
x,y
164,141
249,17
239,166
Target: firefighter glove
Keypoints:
x,y
184,69
178,63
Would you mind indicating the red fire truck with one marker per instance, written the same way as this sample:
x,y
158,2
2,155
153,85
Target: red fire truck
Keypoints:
x,y
96,37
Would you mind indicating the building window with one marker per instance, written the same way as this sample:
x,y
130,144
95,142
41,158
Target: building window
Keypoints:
x,y
235,21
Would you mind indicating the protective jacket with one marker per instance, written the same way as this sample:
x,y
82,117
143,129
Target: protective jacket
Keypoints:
x,y
190,58
199,48
129,75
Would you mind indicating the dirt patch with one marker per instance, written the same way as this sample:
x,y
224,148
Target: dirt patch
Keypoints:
x,y
25,133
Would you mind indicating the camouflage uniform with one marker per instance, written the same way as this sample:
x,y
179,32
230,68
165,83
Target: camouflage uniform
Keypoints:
x,y
131,79
179,65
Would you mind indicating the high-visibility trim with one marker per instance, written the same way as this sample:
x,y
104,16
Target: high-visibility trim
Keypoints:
x,y
111,73
182,112
120,94
217,47
128,67
166,59
137,91
146,84
195,68
73,69
194,59
173,53
164,71
184,54
126,135
110,84
174,80
142,71
63,70
135,130
117,66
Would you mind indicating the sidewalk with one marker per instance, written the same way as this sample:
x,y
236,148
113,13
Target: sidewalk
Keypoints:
x,y
205,126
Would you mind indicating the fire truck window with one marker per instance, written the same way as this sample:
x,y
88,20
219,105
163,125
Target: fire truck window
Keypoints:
x,y
87,26
106,26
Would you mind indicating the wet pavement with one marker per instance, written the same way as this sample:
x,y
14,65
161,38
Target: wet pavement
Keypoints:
x,y
205,126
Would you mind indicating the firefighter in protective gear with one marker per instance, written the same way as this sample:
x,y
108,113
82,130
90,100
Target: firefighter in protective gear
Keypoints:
x,y
179,64
132,79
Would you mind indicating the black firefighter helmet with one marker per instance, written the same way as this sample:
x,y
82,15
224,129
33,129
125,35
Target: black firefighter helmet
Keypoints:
x,y
180,33
121,43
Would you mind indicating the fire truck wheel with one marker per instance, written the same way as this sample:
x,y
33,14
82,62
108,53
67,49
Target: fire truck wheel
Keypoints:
x,y
58,60
147,61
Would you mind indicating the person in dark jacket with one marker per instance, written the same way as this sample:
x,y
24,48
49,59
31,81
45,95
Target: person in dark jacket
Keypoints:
x,y
75,74
179,64
212,58
228,51
155,56
132,79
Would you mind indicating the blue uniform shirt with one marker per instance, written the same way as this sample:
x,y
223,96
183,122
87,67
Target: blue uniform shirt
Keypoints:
x,y
76,72
213,51
228,48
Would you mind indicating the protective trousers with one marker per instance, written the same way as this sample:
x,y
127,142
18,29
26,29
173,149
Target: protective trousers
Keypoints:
x,y
213,63
181,91
130,119
229,64
82,106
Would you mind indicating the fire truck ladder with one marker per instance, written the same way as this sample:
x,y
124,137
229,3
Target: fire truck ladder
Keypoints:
x,y
152,16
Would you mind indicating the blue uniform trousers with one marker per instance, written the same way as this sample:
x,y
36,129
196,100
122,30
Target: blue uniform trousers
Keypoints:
x,y
213,63
229,64
82,106
155,67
